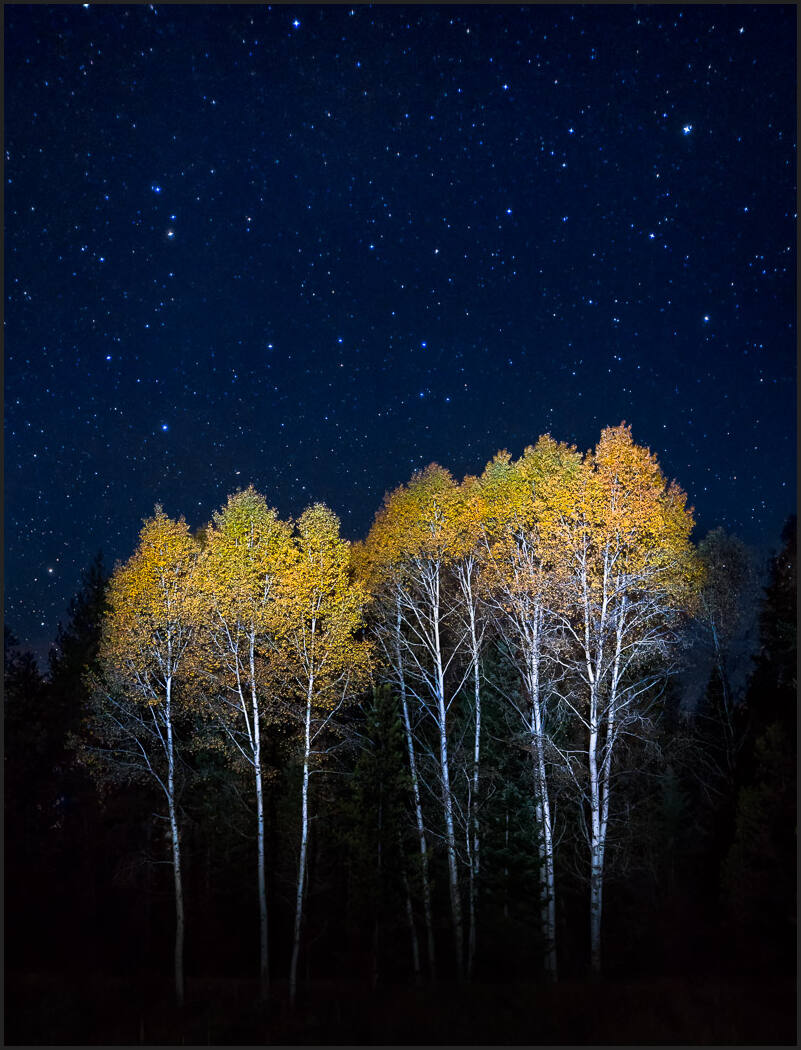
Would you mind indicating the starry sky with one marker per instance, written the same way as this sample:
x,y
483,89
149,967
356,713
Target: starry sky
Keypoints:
x,y
317,247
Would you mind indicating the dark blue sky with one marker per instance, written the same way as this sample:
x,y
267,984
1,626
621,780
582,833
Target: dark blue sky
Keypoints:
x,y
315,248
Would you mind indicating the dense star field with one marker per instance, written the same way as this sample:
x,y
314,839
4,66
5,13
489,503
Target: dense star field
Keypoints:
x,y
316,248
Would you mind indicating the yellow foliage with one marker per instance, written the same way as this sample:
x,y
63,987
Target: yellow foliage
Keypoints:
x,y
153,605
319,614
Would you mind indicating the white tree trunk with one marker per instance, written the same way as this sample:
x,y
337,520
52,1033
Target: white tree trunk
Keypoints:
x,y
544,824
264,967
447,804
596,844
418,813
474,829
304,838
176,852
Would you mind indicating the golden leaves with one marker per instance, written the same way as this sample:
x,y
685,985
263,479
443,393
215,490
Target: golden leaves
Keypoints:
x,y
529,525
319,613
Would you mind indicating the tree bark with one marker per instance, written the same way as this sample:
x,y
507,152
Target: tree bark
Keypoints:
x,y
447,804
475,853
418,812
543,812
596,861
264,966
304,838
176,854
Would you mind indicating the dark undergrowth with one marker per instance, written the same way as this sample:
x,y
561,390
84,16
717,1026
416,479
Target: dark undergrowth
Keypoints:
x,y
53,1009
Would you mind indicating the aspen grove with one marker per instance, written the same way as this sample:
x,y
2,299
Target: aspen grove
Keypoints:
x,y
505,642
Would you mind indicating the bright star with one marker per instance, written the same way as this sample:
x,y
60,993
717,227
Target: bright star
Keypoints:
x,y
165,426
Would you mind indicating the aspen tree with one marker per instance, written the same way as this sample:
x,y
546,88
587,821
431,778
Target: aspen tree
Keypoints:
x,y
246,551
153,616
620,548
519,587
319,657
412,546
470,611
386,624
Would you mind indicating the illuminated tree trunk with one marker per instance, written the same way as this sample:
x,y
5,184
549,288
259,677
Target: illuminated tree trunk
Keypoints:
x,y
545,847
596,843
523,626
593,660
304,839
264,969
542,802
418,810
176,853
473,822
601,777
447,796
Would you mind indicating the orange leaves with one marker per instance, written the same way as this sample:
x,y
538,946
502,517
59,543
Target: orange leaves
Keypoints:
x,y
635,517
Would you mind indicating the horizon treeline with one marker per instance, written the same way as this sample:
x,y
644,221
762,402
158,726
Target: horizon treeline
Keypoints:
x,y
437,752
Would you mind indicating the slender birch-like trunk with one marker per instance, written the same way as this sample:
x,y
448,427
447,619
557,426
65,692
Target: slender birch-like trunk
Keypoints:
x,y
473,824
418,810
596,846
447,796
542,806
594,675
264,967
604,776
176,852
304,839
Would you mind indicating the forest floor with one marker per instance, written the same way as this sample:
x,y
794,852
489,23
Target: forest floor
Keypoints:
x,y
101,1010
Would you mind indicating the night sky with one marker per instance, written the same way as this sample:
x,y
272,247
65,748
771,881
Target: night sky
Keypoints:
x,y
316,248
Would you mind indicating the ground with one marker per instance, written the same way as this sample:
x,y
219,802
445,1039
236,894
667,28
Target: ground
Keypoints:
x,y
43,1009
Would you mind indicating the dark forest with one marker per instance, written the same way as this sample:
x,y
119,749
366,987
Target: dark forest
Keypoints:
x,y
389,839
